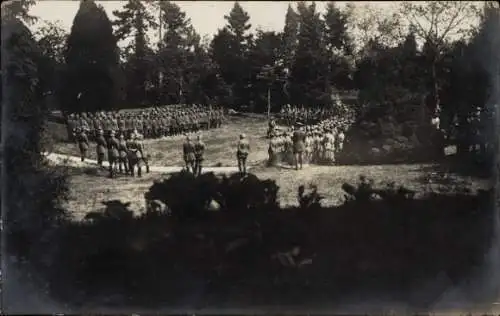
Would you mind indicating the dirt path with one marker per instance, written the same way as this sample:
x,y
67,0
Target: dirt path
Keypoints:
x,y
73,161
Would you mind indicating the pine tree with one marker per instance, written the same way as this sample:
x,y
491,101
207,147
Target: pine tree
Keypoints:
x,y
232,59
92,61
177,47
134,21
309,73
266,51
338,45
289,36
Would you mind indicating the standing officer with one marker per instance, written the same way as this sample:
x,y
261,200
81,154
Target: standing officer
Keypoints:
x,y
199,151
83,144
189,155
122,154
298,140
242,154
101,147
112,154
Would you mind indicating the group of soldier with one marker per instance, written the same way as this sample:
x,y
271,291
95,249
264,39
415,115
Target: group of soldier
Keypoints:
x,y
291,115
193,154
124,155
317,135
155,122
317,143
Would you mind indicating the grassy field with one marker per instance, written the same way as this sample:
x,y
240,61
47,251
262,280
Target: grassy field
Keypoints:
x,y
89,188
220,145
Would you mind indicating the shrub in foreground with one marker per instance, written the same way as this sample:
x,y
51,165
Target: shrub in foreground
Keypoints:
x,y
394,239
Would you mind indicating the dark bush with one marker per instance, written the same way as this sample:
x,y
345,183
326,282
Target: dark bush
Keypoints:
x,y
252,245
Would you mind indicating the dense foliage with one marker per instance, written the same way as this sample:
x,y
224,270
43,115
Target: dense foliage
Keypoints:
x,y
32,190
225,237
401,73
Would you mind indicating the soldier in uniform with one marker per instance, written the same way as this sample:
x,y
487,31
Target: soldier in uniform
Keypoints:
x,y
138,139
72,126
199,151
272,150
100,147
242,154
121,125
114,123
134,155
189,155
112,154
122,154
298,139
83,144
96,126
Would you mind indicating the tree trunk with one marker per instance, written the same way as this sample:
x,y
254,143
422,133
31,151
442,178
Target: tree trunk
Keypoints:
x,y
433,101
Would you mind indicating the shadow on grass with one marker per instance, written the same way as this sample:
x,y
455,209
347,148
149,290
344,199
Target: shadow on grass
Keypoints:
x,y
212,241
469,166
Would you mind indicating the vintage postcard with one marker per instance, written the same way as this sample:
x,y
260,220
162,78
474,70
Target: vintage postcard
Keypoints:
x,y
211,157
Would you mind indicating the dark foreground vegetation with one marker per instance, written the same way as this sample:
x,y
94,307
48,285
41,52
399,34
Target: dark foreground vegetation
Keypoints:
x,y
209,241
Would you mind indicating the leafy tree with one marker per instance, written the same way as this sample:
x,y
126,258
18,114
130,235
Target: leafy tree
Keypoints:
x,y
32,190
133,22
436,22
18,9
92,61
51,40
309,73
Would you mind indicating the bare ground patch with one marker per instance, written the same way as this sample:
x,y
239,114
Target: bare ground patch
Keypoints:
x,y
88,191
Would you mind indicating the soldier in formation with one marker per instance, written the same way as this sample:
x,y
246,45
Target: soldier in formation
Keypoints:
x,y
318,143
113,154
199,152
188,154
83,144
153,123
242,154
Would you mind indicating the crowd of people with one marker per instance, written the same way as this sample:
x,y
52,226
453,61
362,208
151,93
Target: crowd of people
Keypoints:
x,y
153,123
318,143
323,134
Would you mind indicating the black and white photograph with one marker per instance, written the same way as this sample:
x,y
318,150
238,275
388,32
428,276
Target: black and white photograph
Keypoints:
x,y
250,157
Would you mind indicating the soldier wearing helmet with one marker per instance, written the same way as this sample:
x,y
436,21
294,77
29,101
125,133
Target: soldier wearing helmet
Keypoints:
x,y
100,147
112,145
242,154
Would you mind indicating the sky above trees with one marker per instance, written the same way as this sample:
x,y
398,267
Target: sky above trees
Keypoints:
x,y
206,16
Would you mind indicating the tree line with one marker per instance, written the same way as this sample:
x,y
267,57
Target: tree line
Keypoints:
x,y
428,52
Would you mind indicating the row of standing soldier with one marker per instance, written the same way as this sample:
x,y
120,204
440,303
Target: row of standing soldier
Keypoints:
x,y
193,154
124,155
152,123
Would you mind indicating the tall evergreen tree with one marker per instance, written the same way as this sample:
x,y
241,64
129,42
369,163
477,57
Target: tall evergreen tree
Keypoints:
x,y
134,21
92,61
309,73
177,46
290,36
266,51
233,59
338,46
